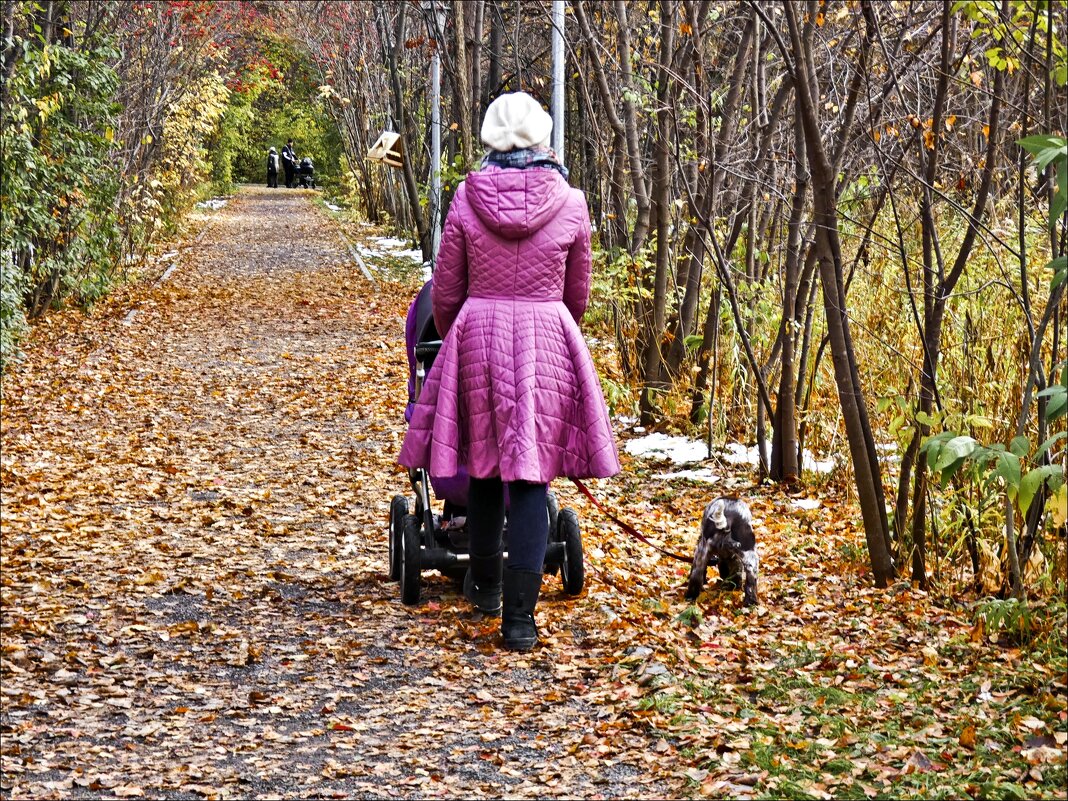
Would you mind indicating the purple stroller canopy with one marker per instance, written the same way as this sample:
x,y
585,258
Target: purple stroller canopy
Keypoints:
x,y
419,327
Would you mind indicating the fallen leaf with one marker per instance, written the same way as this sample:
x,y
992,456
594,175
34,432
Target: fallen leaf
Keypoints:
x,y
967,737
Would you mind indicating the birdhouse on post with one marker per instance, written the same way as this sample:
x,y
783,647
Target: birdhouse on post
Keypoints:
x,y
387,149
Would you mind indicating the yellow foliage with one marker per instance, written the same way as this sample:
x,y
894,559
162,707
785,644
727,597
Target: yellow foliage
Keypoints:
x,y
1058,506
1035,567
989,568
191,122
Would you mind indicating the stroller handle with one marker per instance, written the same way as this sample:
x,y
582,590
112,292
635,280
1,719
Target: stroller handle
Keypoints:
x,y
425,351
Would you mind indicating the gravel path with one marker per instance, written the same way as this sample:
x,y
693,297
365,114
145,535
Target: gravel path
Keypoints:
x,y
194,598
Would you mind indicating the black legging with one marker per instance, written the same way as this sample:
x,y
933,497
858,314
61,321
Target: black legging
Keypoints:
x,y
528,521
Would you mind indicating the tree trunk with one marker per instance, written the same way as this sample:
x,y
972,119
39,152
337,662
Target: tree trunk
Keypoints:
x,y
627,127
496,42
7,43
474,100
706,354
653,358
462,96
784,450
706,191
850,391
630,126
392,45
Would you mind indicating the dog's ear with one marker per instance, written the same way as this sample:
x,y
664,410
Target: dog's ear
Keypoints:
x,y
715,513
713,521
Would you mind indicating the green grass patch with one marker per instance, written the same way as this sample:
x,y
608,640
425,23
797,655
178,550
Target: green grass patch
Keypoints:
x,y
666,703
895,722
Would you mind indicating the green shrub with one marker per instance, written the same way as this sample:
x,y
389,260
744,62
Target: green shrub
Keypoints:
x,y
12,315
58,182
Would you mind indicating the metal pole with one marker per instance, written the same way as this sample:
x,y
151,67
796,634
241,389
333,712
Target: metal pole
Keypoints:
x,y
558,79
438,17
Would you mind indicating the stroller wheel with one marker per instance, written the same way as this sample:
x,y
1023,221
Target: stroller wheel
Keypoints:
x,y
410,559
398,510
572,569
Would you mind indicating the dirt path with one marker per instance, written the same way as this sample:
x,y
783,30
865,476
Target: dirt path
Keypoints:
x,y
194,598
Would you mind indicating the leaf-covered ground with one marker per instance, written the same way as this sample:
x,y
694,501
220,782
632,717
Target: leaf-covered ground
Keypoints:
x,y
196,479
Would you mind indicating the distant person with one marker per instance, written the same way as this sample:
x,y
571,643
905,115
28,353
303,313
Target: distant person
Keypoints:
x,y
306,173
272,168
289,163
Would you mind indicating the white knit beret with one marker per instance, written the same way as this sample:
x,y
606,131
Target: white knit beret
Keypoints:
x,y
514,121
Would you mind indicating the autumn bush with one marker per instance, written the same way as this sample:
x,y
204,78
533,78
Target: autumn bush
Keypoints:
x,y
58,180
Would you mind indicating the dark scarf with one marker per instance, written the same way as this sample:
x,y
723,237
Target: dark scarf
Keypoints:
x,y
526,157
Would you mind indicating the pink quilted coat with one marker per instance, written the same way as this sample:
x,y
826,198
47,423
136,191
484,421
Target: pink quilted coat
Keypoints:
x,y
513,392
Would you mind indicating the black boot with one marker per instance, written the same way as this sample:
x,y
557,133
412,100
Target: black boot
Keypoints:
x,y
521,589
482,585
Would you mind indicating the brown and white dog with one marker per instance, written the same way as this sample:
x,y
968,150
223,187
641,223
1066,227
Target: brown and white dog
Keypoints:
x,y
726,539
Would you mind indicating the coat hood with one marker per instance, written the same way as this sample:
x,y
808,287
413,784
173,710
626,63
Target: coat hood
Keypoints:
x,y
515,203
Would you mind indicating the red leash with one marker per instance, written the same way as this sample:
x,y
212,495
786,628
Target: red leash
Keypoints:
x,y
626,526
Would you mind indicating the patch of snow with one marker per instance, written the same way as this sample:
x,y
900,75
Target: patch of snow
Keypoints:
x,y
390,242
805,503
704,475
170,254
393,246
682,450
428,271
167,274
679,450
736,453
214,204
414,255
810,462
888,452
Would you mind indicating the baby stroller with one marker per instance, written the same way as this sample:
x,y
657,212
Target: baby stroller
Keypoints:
x,y
306,174
426,540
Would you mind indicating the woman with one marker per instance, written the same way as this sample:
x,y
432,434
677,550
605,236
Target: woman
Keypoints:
x,y
513,395
272,169
289,163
